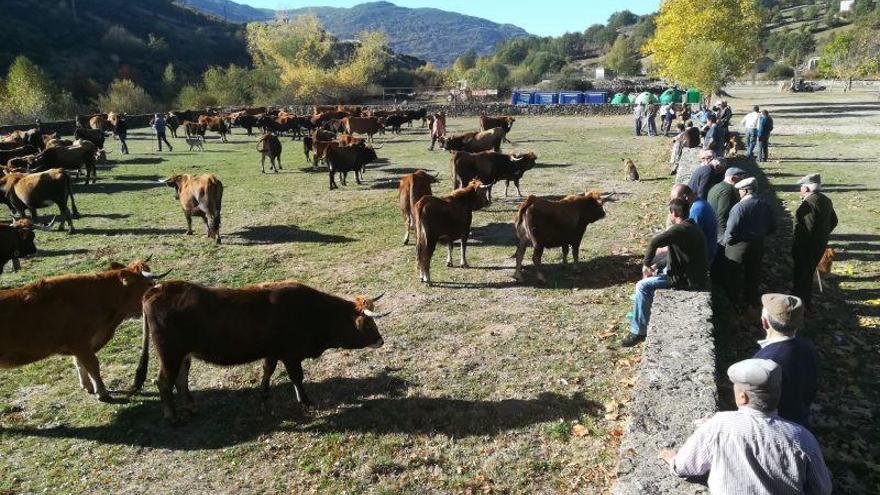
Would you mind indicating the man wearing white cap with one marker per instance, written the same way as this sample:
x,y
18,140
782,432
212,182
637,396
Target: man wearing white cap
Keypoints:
x,y
752,450
815,219
749,223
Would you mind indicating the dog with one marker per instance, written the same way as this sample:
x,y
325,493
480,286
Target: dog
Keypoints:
x,y
823,269
730,150
195,143
630,170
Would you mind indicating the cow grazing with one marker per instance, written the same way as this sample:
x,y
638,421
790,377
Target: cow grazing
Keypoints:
x,y
269,147
277,321
541,223
490,167
72,315
16,241
504,122
345,159
214,124
201,196
412,188
95,136
80,155
25,150
363,125
475,142
28,192
446,220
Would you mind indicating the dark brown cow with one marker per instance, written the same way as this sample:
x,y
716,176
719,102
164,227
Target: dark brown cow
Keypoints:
x,y
475,142
345,159
490,167
193,129
412,188
246,121
504,122
201,196
277,321
269,147
16,241
317,135
446,220
74,315
6,155
319,119
541,223
95,136
172,122
395,122
80,155
214,124
28,192
363,125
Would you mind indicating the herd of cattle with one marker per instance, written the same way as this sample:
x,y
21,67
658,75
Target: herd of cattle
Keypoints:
x,y
77,314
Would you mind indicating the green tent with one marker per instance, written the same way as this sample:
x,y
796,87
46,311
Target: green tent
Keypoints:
x,y
619,99
631,98
694,96
646,98
671,95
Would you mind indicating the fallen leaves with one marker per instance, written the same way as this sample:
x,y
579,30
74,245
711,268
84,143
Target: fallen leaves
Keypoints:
x,y
579,430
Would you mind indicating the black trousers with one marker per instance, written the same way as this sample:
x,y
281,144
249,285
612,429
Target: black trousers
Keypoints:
x,y
160,138
806,257
743,270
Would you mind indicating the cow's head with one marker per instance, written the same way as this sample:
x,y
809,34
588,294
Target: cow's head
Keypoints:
x,y
524,161
475,194
176,182
24,230
363,332
136,278
595,211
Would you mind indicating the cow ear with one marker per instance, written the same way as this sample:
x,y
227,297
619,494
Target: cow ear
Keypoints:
x,y
126,277
116,266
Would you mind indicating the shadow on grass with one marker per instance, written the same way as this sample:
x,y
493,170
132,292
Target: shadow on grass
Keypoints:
x,y
116,187
144,160
49,253
376,404
131,231
283,234
138,178
109,216
592,273
493,234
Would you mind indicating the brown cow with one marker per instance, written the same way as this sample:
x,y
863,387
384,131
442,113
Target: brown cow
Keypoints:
x,y
475,142
95,136
215,124
80,155
411,189
277,321
541,223
269,147
29,192
201,196
363,125
446,220
74,315
319,119
504,122
193,129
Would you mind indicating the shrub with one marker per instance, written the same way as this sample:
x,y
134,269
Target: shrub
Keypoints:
x,y
125,96
780,71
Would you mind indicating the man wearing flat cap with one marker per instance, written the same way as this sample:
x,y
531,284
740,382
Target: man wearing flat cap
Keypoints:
x,y
752,450
815,219
749,223
782,317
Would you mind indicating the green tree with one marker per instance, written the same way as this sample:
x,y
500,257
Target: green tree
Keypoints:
x,y
194,97
229,86
125,96
465,62
28,90
688,41
623,58
851,54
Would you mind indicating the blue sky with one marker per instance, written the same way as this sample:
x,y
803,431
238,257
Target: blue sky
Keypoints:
x,y
551,17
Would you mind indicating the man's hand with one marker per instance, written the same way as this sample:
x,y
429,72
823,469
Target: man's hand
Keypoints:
x,y
647,271
667,455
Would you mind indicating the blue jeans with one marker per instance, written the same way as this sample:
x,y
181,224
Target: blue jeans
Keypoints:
x,y
644,300
763,149
652,126
752,142
638,122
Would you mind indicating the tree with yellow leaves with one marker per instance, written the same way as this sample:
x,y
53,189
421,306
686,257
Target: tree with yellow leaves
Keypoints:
x,y
705,44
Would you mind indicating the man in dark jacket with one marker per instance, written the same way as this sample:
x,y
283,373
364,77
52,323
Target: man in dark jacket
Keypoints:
x,y
121,130
781,318
709,173
158,125
750,221
687,264
815,219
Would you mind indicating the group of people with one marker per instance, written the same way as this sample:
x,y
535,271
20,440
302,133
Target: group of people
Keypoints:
x,y
645,116
718,224
757,125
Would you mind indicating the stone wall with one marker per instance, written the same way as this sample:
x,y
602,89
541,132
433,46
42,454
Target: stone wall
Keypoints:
x,y
675,386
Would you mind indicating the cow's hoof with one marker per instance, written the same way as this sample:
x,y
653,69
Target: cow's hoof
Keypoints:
x,y
189,232
71,231
449,264
105,398
465,265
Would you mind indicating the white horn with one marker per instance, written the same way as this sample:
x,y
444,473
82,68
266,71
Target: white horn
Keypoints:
x,y
375,315
153,276
377,297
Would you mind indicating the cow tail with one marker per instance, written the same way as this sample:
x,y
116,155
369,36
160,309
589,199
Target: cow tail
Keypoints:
x,y
219,208
140,375
522,210
69,186
421,235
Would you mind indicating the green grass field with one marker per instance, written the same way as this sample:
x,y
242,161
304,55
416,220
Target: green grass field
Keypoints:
x,y
480,381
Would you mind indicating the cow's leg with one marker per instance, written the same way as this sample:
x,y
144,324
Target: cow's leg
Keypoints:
x,y
65,217
506,186
409,225
263,163
516,184
332,180
84,381
182,385
464,263
575,252
565,254
536,260
449,254
295,372
269,365
425,259
189,223
279,162
520,252
89,361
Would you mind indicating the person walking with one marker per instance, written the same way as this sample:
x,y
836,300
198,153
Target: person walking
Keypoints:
x,y
438,128
121,131
725,116
652,119
158,124
765,127
815,219
749,223
750,126
638,117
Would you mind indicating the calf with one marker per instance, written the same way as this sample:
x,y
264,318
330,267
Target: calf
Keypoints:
x,y
345,159
269,147
475,142
412,188
172,122
277,321
201,196
28,192
16,241
542,223
395,122
74,315
490,167
504,122
446,220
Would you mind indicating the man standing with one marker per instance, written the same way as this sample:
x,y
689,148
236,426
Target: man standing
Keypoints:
x,y
686,267
638,115
749,223
713,140
707,174
765,127
815,219
725,115
782,317
121,130
723,196
752,450
438,128
158,124
652,119
750,125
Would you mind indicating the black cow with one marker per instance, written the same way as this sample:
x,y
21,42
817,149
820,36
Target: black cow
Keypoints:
x,y
345,159
489,167
16,241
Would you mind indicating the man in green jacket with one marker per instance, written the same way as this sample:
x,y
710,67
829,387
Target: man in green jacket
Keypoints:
x,y
687,264
723,197
815,219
